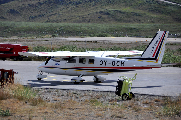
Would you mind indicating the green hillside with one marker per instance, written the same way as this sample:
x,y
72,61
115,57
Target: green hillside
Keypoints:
x,y
28,29
90,11
100,18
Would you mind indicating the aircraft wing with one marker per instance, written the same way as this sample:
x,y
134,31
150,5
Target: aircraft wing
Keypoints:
x,y
133,52
58,53
88,53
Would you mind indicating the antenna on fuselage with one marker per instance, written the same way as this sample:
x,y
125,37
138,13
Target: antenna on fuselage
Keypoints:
x,y
86,45
51,46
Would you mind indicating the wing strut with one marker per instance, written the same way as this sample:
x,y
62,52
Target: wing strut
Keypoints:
x,y
48,58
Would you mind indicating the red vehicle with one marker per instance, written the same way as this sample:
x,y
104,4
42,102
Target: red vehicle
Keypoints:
x,y
11,51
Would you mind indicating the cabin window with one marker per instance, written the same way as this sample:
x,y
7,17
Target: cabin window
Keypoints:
x,y
71,61
91,61
82,60
56,60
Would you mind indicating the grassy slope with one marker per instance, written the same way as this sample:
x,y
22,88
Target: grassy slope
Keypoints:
x,y
90,11
80,29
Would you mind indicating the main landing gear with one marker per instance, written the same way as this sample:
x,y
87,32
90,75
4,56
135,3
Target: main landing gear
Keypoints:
x,y
98,79
78,79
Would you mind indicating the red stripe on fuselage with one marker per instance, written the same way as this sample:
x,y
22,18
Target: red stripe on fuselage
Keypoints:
x,y
103,67
115,67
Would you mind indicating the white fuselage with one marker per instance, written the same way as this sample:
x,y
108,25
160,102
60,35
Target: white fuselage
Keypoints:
x,y
92,66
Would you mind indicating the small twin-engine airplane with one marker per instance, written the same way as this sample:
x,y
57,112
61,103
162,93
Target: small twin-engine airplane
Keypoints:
x,y
94,63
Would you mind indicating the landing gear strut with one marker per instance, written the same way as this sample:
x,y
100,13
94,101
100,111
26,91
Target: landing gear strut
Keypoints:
x,y
78,79
40,75
98,79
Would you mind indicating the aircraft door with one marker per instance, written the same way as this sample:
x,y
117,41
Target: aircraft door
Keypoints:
x,y
82,63
69,64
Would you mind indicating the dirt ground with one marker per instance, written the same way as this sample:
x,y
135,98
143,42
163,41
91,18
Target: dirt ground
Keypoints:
x,y
74,104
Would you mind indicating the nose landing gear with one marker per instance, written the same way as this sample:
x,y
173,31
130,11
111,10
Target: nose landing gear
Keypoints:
x,y
40,75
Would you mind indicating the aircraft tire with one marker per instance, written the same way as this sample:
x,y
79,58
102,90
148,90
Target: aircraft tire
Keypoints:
x,y
39,78
96,81
76,82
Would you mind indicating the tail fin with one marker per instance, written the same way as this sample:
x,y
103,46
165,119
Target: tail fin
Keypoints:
x,y
156,48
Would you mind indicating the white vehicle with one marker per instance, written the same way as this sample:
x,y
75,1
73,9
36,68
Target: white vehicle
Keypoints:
x,y
94,63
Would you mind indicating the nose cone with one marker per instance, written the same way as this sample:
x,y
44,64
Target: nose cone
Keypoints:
x,y
40,67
